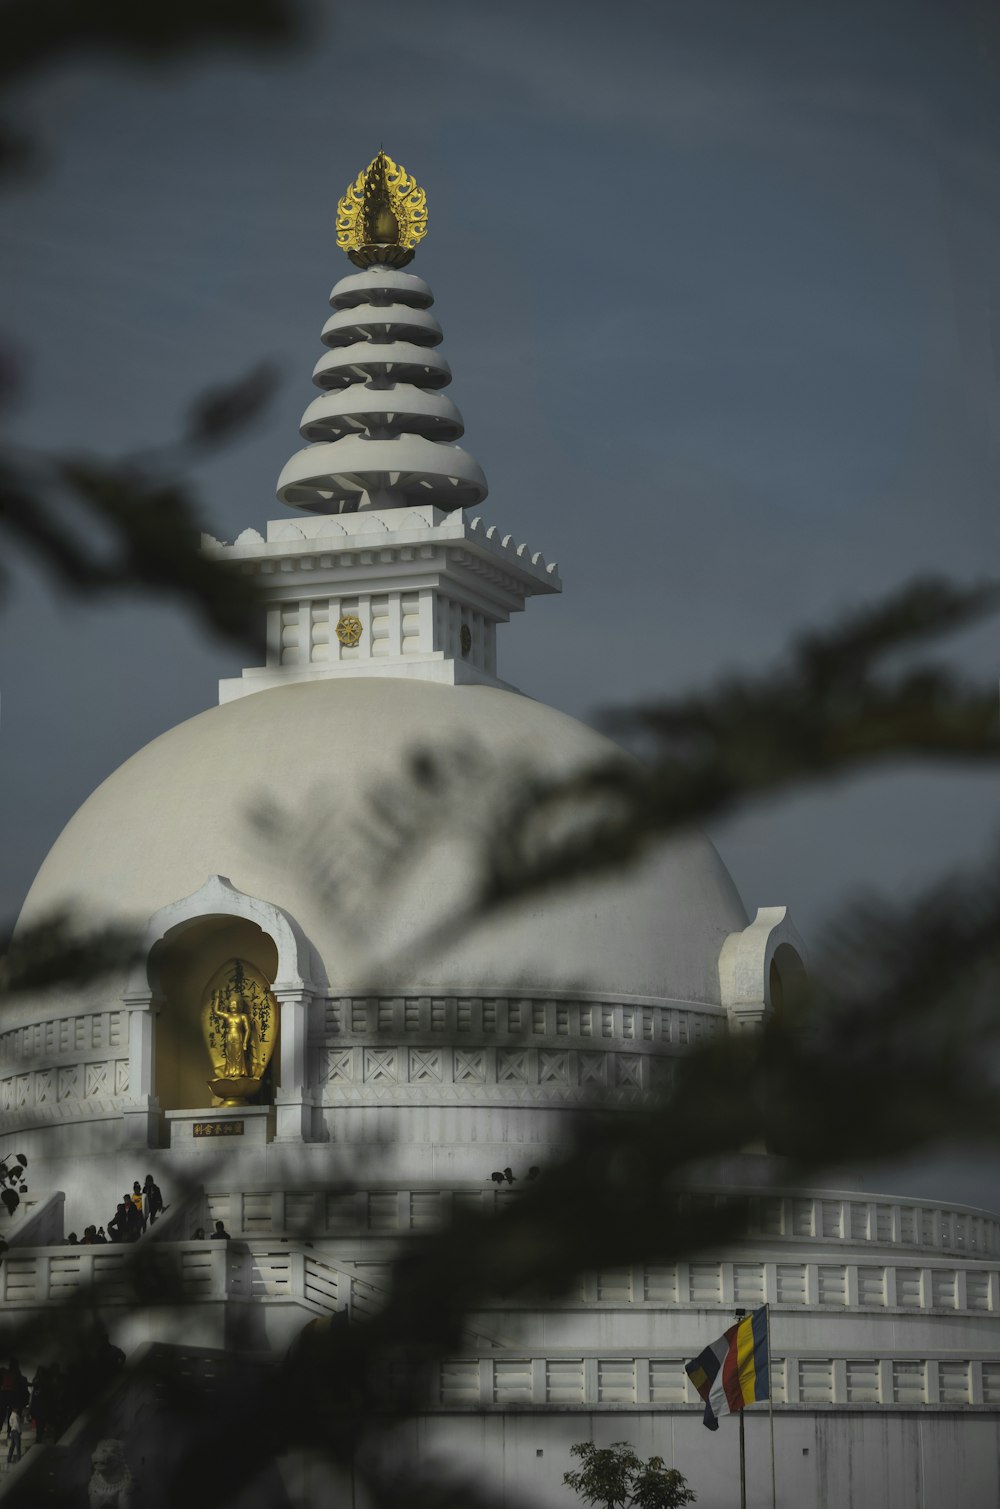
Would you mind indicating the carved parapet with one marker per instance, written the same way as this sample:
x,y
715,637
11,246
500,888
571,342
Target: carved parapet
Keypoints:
x,y
352,533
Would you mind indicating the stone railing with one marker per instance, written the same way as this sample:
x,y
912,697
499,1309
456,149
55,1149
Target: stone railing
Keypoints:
x,y
37,1044
263,1269
46,1275
809,1222
204,1270
485,1378
861,1220
591,1381
860,1288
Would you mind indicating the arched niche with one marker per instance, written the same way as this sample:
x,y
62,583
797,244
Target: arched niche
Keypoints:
x,y
180,967
184,944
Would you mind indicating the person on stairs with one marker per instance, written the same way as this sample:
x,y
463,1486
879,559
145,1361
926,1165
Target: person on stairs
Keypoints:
x,y
153,1200
14,1436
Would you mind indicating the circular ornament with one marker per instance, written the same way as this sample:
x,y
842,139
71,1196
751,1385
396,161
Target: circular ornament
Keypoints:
x,y
465,639
349,629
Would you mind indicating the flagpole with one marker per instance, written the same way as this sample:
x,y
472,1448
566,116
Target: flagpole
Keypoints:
x,y
770,1404
743,1450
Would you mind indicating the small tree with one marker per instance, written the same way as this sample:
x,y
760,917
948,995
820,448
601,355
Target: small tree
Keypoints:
x,y
617,1478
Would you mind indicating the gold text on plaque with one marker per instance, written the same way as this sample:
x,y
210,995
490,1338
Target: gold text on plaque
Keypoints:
x,y
218,1129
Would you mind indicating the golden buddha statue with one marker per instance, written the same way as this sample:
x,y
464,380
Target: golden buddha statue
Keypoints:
x,y
237,1036
239,1022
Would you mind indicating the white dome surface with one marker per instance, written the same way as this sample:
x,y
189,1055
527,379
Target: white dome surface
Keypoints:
x,y
180,811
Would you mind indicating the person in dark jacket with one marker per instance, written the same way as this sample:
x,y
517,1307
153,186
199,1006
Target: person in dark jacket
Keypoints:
x,y
126,1224
153,1200
133,1217
136,1197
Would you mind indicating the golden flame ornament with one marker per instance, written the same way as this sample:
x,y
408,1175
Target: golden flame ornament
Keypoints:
x,y
239,1021
382,216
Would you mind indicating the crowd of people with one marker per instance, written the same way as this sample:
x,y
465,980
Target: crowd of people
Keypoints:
x,y
55,1396
133,1214
220,1234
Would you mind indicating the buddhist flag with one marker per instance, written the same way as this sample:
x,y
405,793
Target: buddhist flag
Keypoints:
x,y
735,1370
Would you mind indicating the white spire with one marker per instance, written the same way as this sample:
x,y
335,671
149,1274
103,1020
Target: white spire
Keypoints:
x,y
384,577
382,429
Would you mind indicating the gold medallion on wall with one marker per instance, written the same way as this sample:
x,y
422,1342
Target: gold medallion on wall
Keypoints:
x,y
239,1022
349,630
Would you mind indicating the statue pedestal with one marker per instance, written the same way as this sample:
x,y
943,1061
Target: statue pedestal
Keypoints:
x,y
207,1129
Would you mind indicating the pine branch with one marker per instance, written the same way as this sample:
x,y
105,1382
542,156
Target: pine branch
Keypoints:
x,y
41,33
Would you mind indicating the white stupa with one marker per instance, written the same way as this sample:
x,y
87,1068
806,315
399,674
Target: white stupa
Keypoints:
x,y
421,1071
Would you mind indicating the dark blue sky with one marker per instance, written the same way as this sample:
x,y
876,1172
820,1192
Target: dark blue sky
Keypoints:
x,y
719,290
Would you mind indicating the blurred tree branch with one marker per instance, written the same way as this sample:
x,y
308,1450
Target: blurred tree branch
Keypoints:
x,y
58,952
43,33
840,703
145,517
100,526
834,708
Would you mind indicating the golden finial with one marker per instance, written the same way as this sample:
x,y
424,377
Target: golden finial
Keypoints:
x,y
382,215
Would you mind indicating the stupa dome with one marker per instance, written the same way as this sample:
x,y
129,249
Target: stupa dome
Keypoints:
x,y
182,809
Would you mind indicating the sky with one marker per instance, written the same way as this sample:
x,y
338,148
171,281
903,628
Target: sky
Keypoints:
x,y
719,289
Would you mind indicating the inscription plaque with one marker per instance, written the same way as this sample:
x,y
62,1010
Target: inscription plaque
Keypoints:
x,y
218,1128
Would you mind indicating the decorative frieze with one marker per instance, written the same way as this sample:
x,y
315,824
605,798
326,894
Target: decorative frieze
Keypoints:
x,y
425,1065
486,1075
50,1086
620,1049
54,1091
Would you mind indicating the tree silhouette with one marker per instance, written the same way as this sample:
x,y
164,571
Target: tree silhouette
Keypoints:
x,y
616,1477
